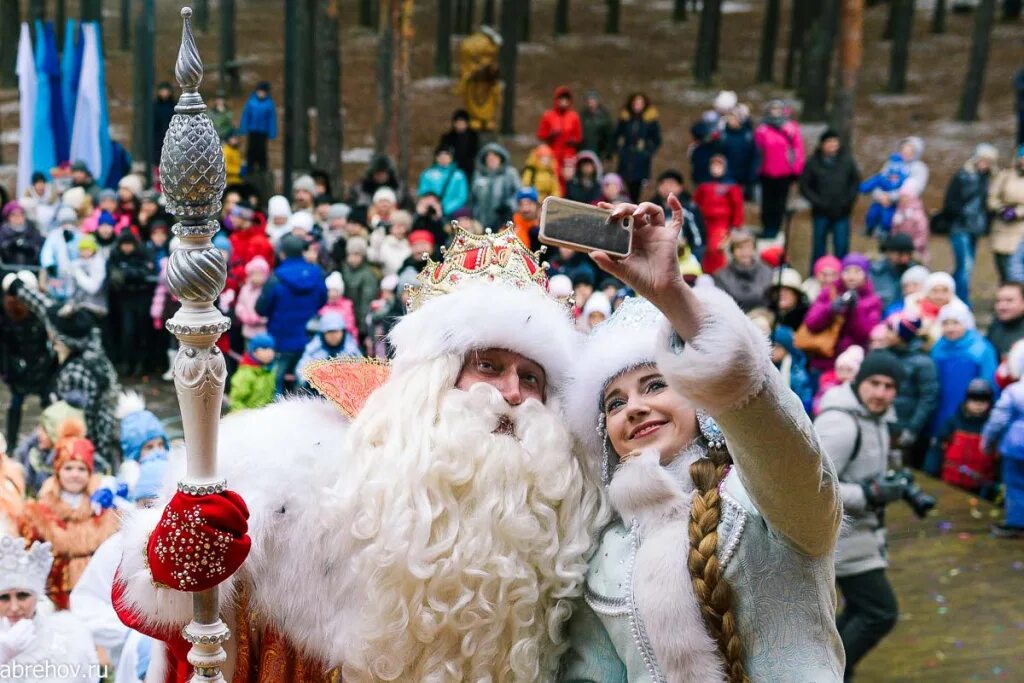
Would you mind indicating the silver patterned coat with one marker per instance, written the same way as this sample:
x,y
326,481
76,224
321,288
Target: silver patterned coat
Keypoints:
x,y
780,516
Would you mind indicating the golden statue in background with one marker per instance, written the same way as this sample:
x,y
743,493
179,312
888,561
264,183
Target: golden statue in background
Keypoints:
x,y
480,78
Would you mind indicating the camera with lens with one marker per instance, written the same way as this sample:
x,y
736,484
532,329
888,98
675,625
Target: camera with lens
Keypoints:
x,y
919,501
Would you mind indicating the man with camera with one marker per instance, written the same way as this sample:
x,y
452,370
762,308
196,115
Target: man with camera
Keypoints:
x,y
853,426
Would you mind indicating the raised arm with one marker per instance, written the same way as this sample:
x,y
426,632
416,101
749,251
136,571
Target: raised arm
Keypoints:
x,y
720,363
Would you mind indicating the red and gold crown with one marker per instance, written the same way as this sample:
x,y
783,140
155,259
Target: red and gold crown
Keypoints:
x,y
491,257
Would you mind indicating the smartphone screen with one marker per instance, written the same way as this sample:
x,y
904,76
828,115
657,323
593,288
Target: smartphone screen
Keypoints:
x,y
583,227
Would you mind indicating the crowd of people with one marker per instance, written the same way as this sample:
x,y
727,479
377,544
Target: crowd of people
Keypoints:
x,y
884,354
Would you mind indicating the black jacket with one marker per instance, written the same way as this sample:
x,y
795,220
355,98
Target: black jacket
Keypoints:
x,y
20,247
1004,335
131,276
830,185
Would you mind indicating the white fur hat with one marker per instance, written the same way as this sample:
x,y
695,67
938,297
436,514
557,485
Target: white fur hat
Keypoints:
x,y
334,281
24,569
488,292
303,220
957,310
626,340
278,207
385,194
560,286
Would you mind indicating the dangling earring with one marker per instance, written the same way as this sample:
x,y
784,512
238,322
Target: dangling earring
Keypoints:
x,y
710,430
606,464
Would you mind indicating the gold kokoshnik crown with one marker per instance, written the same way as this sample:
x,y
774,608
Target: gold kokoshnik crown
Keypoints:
x,y
490,257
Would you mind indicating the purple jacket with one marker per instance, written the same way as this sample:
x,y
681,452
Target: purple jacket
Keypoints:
x,y
866,313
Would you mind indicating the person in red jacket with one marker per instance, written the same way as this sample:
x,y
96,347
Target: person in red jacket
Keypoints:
x,y
720,201
561,129
248,240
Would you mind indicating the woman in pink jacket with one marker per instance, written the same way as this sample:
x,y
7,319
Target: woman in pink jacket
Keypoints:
x,y
782,162
257,270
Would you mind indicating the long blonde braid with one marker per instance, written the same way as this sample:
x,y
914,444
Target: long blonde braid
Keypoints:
x,y
713,592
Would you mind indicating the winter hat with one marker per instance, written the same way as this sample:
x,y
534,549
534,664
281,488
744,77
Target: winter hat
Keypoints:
x,y
24,569
827,263
851,358
132,183
738,236
612,178
788,278
222,242
725,101
302,220
980,389
71,325
915,275
939,279
560,286
422,236
106,218
261,341
899,243
73,446
385,194
55,414
389,283
882,363
257,264
292,246
331,321
278,207
828,134
304,183
904,326
76,198
126,237
9,208
87,242
1016,360
597,303
407,279
107,195
335,282
67,216
957,310
858,261
527,193
356,245
987,152
916,143
338,212
136,429
150,483
671,174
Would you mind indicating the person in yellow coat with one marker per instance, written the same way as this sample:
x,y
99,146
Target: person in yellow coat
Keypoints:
x,y
233,157
541,173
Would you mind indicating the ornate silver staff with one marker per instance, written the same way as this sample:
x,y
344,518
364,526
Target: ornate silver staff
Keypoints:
x,y
193,179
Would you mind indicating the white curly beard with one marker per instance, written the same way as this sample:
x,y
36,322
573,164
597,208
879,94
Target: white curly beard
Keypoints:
x,y
471,541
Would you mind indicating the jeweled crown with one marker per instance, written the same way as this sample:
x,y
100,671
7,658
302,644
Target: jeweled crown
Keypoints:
x,y
490,257
22,568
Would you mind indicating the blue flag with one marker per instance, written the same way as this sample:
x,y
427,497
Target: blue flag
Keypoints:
x,y
70,66
44,144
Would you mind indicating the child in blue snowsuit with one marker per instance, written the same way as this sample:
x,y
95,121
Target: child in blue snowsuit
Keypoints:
x,y
878,220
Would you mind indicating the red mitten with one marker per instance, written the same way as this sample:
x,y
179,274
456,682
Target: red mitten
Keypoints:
x,y
200,541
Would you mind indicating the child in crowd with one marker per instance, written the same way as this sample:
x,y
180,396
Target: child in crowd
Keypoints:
x,y
965,462
938,291
64,515
846,368
720,201
233,157
883,187
337,303
1003,438
35,452
911,219
613,189
541,173
257,271
254,383
596,310
792,365
961,355
332,340
825,272
911,291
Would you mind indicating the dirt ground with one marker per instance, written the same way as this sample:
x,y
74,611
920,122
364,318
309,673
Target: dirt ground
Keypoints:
x,y
653,54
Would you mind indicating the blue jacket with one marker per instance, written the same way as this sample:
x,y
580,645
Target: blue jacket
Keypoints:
x,y
259,116
958,363
289,300
447,183
1005,426
316,350
743,157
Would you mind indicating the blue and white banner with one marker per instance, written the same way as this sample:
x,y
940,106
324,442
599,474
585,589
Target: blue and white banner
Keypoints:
x,y
90,137
27,91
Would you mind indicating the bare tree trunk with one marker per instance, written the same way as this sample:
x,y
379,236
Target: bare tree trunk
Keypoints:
x,y
366,13
562,18
489,15
144,77
385,76
769,40
296,114
817,60
60,17
469,17
443,47
797,28
851,49
902,14
889,18
328,91
36,11
92,10
126,25
525,17
704,61
975,81
1012,9
611,22
939,17
230,82
10,30
404,35
511,22
202,14
716,37
679,11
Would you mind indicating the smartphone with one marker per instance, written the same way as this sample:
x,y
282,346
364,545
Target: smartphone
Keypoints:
x,y
584,227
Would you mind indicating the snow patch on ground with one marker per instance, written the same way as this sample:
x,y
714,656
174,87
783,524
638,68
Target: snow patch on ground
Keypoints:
x,y
534,49
894,100
433,83
357,155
